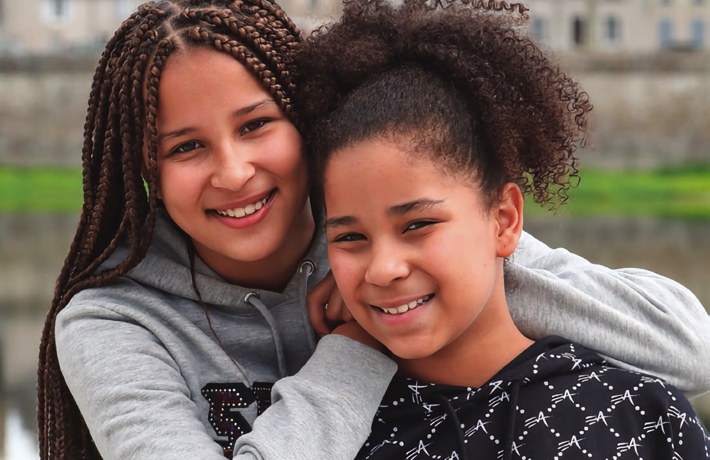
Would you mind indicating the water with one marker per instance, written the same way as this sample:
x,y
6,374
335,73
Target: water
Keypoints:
x,y
32,248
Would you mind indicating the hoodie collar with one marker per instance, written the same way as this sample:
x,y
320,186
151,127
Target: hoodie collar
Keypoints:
x,y
166,267
546,357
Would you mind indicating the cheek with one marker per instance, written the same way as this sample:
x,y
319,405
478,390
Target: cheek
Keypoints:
x,y
289,160
176,184
349,271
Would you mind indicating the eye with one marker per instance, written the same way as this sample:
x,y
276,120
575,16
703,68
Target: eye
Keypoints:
x,y
186,147
253,126
349,238
418,225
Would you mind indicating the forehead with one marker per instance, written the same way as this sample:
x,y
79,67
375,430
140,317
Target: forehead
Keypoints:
x,y
379,171
201,63
375,157
201,82
396,156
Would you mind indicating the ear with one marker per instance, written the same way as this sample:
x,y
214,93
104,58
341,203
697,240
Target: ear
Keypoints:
x,y
509,219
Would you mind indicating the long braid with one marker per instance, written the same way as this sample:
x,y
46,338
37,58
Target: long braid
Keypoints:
x,y
121,119
50,414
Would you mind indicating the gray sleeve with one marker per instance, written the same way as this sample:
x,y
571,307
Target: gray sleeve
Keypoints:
x,y
137,404
326,409
637,319
129,389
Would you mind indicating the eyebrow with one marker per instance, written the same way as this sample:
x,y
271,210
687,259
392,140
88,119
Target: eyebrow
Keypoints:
x,y
421,204
237,113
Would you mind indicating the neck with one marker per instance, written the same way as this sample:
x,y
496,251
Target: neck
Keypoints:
x,y
476,356
273,272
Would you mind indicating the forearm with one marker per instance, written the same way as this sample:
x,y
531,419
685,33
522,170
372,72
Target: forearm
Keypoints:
x,y
326,409
637,319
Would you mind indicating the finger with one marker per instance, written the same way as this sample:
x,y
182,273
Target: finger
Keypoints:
x,y
316,301
334,312
346,315
356,332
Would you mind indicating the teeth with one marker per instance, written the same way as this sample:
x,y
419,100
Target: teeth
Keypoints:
x,y
245,211
407,306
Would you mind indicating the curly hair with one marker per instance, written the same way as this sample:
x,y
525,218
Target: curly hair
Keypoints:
x,y
119,207
457,79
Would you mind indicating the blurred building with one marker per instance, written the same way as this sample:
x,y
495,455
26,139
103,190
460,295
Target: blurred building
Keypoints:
x,y
59,26
75,26
624,26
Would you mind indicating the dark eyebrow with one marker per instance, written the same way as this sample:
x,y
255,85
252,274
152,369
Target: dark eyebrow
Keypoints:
x,y
339,221
396,210
178,133
421,204
237,113
252,107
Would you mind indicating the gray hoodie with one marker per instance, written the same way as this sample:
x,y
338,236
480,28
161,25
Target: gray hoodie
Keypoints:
x,y
154,379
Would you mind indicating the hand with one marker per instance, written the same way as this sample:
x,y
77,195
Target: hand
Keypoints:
x,y
353,330
326,308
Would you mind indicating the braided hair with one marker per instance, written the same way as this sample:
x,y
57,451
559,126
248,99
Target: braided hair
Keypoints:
x,y
120,187
456,79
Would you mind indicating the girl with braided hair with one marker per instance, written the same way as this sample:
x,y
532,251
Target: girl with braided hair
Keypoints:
x,y
183,297
423,151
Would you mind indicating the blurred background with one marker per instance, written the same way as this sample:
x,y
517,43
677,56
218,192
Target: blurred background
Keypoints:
x,y
644,199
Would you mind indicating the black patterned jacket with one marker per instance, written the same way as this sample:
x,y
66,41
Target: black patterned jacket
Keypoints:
x,y
556,401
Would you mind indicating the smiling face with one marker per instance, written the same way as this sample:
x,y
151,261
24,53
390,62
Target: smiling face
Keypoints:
x,y
231,170
416,252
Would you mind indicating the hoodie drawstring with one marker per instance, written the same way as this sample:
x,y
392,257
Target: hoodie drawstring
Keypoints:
x,y
253,299
308,267
451,412
510,432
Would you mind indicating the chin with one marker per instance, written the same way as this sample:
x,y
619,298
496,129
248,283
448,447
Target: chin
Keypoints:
x,y
404,352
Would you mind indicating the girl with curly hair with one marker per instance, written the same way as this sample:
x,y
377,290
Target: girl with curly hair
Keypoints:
x,y
424,150
183,297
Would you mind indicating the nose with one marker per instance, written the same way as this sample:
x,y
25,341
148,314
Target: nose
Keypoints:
x,y
232,167
387,265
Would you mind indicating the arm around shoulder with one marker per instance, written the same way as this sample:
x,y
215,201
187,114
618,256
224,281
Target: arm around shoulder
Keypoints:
x,y
637,319
326,409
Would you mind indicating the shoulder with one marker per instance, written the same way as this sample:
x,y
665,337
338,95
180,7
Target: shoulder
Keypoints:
x,y
628,395
592,384
591,375
609,410
120,294
123,300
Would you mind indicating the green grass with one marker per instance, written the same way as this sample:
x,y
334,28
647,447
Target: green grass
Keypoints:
x,y
50,190
682,192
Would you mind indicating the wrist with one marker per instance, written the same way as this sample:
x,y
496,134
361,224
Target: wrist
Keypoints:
x,y
354,331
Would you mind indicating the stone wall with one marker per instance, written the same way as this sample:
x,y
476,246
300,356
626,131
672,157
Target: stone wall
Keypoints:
x,y
42,110
648,111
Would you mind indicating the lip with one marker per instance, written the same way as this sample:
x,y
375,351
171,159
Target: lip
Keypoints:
x,y
246,221
245,201
394,303
401,319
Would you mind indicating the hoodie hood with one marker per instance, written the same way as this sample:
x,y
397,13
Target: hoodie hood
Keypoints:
x,y
166,267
